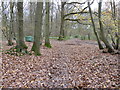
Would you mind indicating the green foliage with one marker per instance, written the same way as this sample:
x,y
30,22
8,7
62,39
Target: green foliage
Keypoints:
x,y
37,54
16,51
48,45
76,36
60,38
67,38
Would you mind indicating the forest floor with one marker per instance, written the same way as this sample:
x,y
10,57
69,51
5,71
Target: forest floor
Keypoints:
x,y
68,64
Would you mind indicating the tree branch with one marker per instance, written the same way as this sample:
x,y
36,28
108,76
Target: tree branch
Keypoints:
x,y
76,3
77,20
81,12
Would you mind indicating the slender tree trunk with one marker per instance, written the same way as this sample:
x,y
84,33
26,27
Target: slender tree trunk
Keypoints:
x,y
4,23
118,34
20,44
56,18
56,21
94,29
102,33
11,25
114,16
7,31
51,15
30,12
47,33
88,36
117,43
38,29
62,35
4,18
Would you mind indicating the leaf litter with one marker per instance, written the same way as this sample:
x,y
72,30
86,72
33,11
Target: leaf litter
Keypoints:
x,y
68,64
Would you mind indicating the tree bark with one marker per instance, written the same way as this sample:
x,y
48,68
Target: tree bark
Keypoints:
x,y
118,35
62,35
47,33
51,26
94,29
102,33
5,28
38,28
20,43
11,24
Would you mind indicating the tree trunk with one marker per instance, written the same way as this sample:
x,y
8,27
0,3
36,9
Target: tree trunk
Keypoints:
x,y
89,36
94,29
51,26
102,33
62,35
30,12
117,43
11,24
47,33
20,44
38,28
114,16
118,35
4,23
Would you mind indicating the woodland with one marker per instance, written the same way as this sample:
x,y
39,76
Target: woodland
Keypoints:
x,y
57,44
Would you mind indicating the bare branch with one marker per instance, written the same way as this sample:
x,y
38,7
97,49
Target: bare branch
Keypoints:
x,y
81,12
76,3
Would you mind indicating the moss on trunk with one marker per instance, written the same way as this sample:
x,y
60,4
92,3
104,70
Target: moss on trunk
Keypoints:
x,y
10,43
48,45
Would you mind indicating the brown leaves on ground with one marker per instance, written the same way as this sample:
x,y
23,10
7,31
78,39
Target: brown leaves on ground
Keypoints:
x,y
71,63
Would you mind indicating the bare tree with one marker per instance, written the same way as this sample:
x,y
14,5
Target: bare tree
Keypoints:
x,y
38,28
11,24
94,28
118,35
20,43
5,27
102,33
47,33
62,35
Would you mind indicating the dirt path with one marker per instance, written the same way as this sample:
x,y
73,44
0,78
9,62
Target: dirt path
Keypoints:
x,y
68,64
